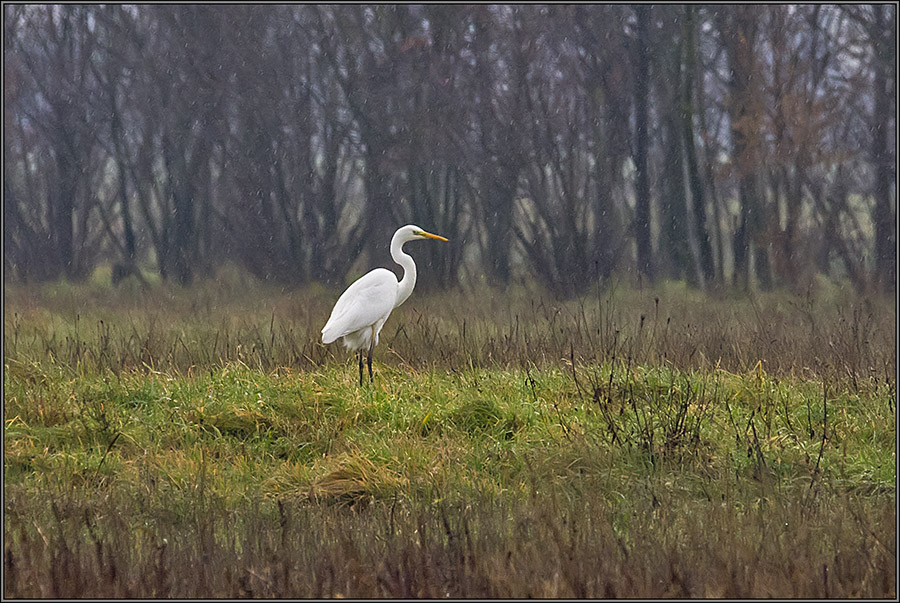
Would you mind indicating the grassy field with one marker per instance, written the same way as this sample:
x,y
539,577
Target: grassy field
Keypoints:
x,y
633,443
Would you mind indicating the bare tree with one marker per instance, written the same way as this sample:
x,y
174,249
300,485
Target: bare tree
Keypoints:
x,y
879,24
689,84
642,228
561,224
53,157
496,157
738,28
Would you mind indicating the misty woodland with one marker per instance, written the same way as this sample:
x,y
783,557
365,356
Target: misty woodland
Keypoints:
x,y
739,146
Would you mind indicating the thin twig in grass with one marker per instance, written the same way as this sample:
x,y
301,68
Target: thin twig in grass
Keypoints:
x,y
531,382
284,522
272,331
605,407
403,361
757,448
108,448
655,319
574,375
560,420
824,434
642,421
393,508
810,429
737,435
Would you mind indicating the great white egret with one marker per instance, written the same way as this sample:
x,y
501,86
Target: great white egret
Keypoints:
x,y
361,310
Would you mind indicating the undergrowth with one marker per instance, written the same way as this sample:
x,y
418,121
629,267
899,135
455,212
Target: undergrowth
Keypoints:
x,y
636,444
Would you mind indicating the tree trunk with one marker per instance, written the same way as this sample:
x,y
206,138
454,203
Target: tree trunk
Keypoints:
x,y
641,143
704,245
63,212
381,192
885,217
739,29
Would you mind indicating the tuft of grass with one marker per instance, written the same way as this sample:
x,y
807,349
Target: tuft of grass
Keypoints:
x,y
484,416
356,479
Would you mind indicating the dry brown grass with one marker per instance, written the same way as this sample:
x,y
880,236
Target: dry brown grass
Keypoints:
x,y
839,337
546,548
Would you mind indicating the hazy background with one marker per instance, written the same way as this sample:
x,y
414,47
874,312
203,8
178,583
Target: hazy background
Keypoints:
x,y
730,146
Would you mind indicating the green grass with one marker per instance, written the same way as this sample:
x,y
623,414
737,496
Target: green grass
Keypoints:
x,y
651,444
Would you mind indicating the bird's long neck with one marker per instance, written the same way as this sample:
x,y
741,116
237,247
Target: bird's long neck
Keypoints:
x,y
409,269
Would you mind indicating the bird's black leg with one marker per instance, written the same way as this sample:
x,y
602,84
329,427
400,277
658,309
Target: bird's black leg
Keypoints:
x,y
369,360
360,369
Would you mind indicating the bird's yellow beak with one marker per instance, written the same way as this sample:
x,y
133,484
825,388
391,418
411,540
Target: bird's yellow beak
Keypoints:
x,y
431,236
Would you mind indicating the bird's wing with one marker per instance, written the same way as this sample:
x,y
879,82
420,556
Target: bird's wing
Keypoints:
x,y
365,302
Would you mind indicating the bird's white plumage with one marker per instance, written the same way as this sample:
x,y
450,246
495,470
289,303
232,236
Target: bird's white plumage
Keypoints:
x,y
365,304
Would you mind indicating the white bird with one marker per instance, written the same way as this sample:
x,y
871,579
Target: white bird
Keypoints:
x,y
361,310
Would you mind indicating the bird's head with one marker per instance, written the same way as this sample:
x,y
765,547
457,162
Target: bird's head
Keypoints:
x,y
412,232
